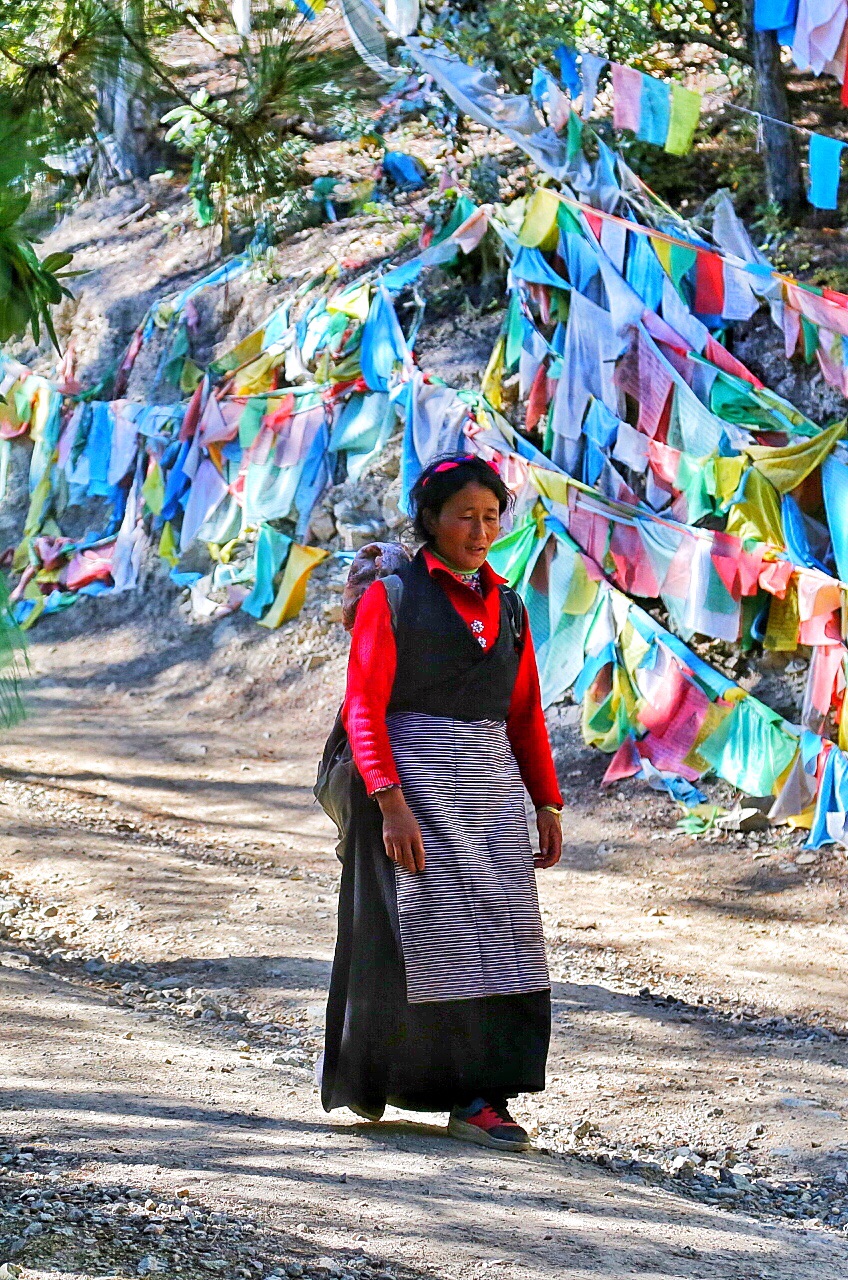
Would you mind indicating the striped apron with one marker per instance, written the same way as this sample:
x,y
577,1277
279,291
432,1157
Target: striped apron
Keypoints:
x,y
470,923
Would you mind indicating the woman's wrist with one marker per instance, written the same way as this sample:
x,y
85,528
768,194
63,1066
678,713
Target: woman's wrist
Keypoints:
x,y
556,810
388,797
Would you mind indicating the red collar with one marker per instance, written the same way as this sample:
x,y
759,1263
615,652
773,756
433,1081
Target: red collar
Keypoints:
x,y
488,578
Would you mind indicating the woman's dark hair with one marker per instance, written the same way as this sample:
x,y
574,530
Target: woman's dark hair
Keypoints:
x,y
444,477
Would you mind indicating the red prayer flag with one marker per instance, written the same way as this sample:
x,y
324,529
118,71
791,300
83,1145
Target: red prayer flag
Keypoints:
x,y
537,401
709,284
721,357
594,220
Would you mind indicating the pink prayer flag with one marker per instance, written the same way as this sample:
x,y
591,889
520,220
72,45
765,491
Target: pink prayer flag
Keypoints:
x,y
750,568
664,461
633,570
820,310
678,580
817,595
195,407
214,429
624,763
627,97
721,357
775,577
278,419
821,630
642,375
92,565
826,671
590,531
666,753
677,708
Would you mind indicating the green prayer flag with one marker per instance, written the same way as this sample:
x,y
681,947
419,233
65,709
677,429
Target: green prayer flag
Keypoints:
x,y
810,334
514,332
750,748
509,555
567,220
250,422
574,136
683,120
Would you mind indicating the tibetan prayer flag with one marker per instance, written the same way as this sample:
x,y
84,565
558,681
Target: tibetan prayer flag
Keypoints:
x,y
569,74
574,136
591,67
676,259
825,158
310,8
709,284
292,590
656,111
540,229
683,120
775,15
627,97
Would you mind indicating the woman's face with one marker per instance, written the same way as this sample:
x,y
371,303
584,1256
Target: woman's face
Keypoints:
x,y
466,526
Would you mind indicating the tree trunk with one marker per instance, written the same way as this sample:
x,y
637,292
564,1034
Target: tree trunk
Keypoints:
x,y
241,16
782,162
127,129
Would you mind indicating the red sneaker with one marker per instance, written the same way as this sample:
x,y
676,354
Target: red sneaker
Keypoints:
x,y
488,1126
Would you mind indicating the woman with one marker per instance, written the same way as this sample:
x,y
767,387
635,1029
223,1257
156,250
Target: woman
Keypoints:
x,y
440,996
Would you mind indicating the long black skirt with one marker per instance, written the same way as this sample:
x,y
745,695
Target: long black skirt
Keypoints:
x,y
381,1049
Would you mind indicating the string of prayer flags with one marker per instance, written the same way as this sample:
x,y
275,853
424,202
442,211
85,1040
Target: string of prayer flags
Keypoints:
x,y
825,159
664,114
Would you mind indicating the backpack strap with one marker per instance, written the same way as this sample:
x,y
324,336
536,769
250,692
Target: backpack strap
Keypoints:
x,y
393,584
515,612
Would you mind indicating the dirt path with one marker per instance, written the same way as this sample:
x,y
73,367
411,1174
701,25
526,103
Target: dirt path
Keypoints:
x,y
169,899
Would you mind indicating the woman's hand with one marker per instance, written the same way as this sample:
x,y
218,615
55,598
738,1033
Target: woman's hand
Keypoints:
x,y
550,838
401,832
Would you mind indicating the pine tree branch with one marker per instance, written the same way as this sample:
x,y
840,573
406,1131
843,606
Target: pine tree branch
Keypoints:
x,y
679,40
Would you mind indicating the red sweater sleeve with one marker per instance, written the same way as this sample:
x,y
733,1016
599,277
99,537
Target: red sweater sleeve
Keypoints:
x,y
528,732
370,676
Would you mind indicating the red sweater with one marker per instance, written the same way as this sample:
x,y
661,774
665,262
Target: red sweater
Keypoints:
x,y
371,673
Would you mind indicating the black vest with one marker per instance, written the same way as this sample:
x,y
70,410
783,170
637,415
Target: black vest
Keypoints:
x,y
442,670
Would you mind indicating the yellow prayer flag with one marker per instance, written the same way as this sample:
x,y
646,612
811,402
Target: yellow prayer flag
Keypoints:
x,y
582,590
539,230
37,504
492,385
786,467
783,622
662,248
758,515
247,349
352,302
257,376
168,544
550,484
726,474
153,489
683,120
292,591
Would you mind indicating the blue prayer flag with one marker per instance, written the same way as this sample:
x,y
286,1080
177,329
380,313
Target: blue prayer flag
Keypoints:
x,y
568,71
825,157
